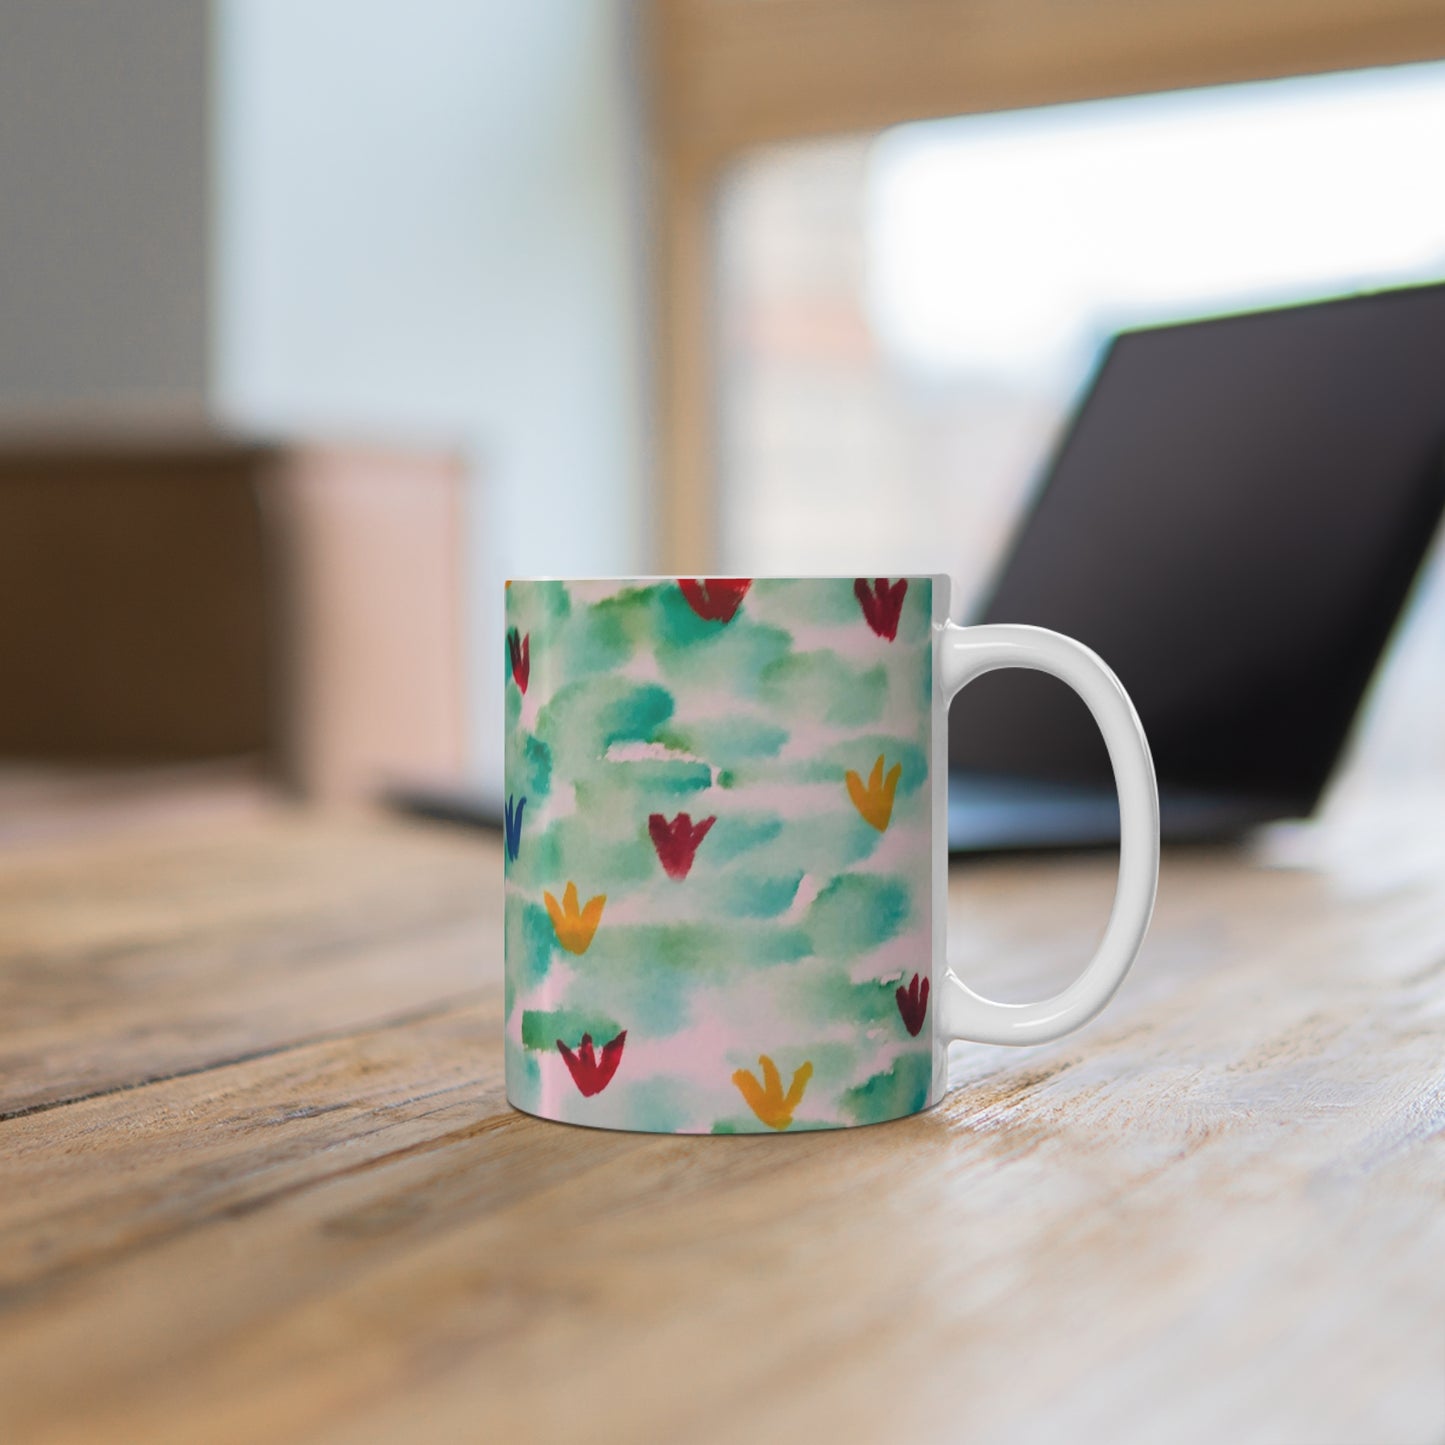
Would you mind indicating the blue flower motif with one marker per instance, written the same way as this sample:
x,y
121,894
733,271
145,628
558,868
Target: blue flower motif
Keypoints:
x,y
514,825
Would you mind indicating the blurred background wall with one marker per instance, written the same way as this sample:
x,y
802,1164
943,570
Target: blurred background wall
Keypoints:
x,y
683,284
350,219
428,224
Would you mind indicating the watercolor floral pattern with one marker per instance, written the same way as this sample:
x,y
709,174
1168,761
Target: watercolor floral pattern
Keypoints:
x,y
719,852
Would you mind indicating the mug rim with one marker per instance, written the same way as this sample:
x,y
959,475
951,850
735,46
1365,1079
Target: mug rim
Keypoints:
x,y
709,576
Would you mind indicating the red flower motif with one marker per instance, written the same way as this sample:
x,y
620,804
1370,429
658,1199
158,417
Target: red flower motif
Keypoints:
x,y
676,842
519,648
913,1004
715,599
590,1073
882,604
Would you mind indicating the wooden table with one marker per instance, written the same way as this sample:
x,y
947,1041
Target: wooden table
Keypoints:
x,y
260,1180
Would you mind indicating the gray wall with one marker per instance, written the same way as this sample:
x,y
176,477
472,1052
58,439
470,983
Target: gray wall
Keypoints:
x,y
104,177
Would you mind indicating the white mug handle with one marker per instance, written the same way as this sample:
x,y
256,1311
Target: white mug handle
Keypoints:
x,y
969,652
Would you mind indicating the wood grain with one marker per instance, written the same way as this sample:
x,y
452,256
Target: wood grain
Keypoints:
x,y
126,961
1214,1214
733,76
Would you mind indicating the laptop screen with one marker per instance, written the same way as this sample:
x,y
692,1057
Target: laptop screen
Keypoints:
x,y
1232,522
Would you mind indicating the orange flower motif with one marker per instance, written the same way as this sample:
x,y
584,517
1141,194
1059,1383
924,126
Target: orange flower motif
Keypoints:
x,y
875,800
767,1099
575,927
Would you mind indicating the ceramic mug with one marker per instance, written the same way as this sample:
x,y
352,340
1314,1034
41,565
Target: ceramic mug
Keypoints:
x,y
726,850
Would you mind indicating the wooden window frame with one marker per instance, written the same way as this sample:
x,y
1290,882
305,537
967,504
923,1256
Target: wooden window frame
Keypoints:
x,y
727,76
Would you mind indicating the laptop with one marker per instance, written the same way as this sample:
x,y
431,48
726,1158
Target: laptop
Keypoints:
x,y
1233,521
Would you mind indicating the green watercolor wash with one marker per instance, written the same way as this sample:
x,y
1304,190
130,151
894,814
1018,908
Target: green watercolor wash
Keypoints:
x,y
818,602
529,770
732,837
538,859
902,1090
724,742
611,861
542,1028
637,786
544,602
826,842
530,940
655,1001
630,611
538,610
830,769
599,645
605,635
915,621
857,912
860,753
587,717
750,1124
703,952
750,895
807,685
648,974
829,996
662,1104
634,717
676,626
524,1080
740,655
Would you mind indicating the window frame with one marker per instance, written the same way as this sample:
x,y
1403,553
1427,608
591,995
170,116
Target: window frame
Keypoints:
x,y
728,76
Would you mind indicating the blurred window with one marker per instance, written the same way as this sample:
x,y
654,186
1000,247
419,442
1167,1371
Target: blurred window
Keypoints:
x,y
905,319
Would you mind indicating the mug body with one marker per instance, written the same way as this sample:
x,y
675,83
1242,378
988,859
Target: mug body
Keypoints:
x,y
725,851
